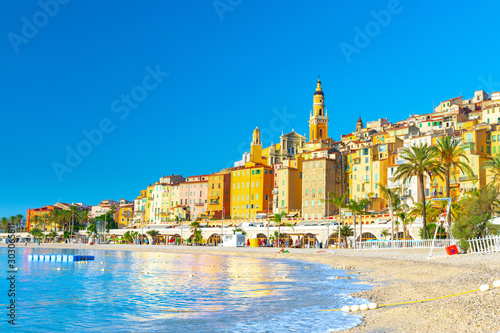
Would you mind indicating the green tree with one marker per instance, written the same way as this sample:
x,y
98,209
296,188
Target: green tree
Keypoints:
x,y
406,219
153,233
195,225
420,162
385,233
431,211
52,235
476,210
345,231
451,156
36,233
359,207
393,201
238,229
339,201
4,224
492,165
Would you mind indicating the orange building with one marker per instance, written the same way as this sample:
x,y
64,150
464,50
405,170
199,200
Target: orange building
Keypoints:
x,y
41,212
219,195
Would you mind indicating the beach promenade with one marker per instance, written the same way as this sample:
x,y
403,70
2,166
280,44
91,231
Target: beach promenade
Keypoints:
x,y
397,276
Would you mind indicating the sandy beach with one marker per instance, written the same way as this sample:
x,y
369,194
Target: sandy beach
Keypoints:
x,y
397,276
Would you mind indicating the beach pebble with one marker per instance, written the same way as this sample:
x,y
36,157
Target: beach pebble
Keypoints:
x,y
496,284
363,307
345,308
484,287
372,306
355,308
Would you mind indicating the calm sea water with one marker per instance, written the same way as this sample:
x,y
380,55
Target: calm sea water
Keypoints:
x,y
81,297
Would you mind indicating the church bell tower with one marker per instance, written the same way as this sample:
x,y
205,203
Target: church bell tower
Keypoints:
x,y
318,119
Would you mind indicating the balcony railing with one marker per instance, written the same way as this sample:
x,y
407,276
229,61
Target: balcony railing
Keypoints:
x,y
469,146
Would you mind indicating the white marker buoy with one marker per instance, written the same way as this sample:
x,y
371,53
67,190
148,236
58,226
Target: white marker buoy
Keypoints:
x,y
58,268
355,308
363,307
345,308
496,284
191,275
372,306
484,287
102,269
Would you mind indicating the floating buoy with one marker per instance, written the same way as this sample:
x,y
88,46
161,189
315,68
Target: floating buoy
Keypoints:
x,y
307,267
102,262
17,268
283,277
102,269
121,255
213,265
372,306
496,284
345,308
355,308
158,255
58,268
139,256
363,307
195,256
484,287
108,255
191,275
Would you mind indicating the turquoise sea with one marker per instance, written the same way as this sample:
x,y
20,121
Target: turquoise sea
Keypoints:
x,y
180,293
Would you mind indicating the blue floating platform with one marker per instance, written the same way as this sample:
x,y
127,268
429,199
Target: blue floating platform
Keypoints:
x,y
59,257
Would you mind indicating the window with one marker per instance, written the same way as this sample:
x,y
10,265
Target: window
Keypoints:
x,y
282,203
305,203
319,190
283,182
306,191
312,203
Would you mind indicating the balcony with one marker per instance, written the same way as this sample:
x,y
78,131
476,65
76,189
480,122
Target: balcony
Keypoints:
x,y
469,146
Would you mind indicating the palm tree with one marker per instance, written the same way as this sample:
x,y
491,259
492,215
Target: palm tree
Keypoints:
x,y
345,231
35,221
420,162
19,221
352,206
194,228
277,219
385,233
451,155
153,233
393,201
56,216
405,219
359,207
338,201
429,209
4,224
493,166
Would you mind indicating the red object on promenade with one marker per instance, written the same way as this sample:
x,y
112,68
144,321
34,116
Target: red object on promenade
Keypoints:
x,y
451,250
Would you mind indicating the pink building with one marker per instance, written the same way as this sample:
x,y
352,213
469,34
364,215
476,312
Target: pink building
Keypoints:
x,y
193,194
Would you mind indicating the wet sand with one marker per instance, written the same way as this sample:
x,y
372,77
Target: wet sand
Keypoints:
x,y
397,276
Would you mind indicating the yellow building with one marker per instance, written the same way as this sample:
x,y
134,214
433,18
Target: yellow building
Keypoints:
x,y
287,193
251,188
477,148
219,195
125,214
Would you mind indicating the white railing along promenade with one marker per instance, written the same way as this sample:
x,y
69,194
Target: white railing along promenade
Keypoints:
x,y
484,245
405,244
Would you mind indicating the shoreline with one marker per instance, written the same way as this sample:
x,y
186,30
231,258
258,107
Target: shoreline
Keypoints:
x,y
396,276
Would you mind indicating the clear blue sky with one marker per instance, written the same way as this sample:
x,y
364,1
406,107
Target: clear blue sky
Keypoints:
x,y
228,68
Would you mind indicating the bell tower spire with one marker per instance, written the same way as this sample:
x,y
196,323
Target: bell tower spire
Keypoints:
x,y
318,121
